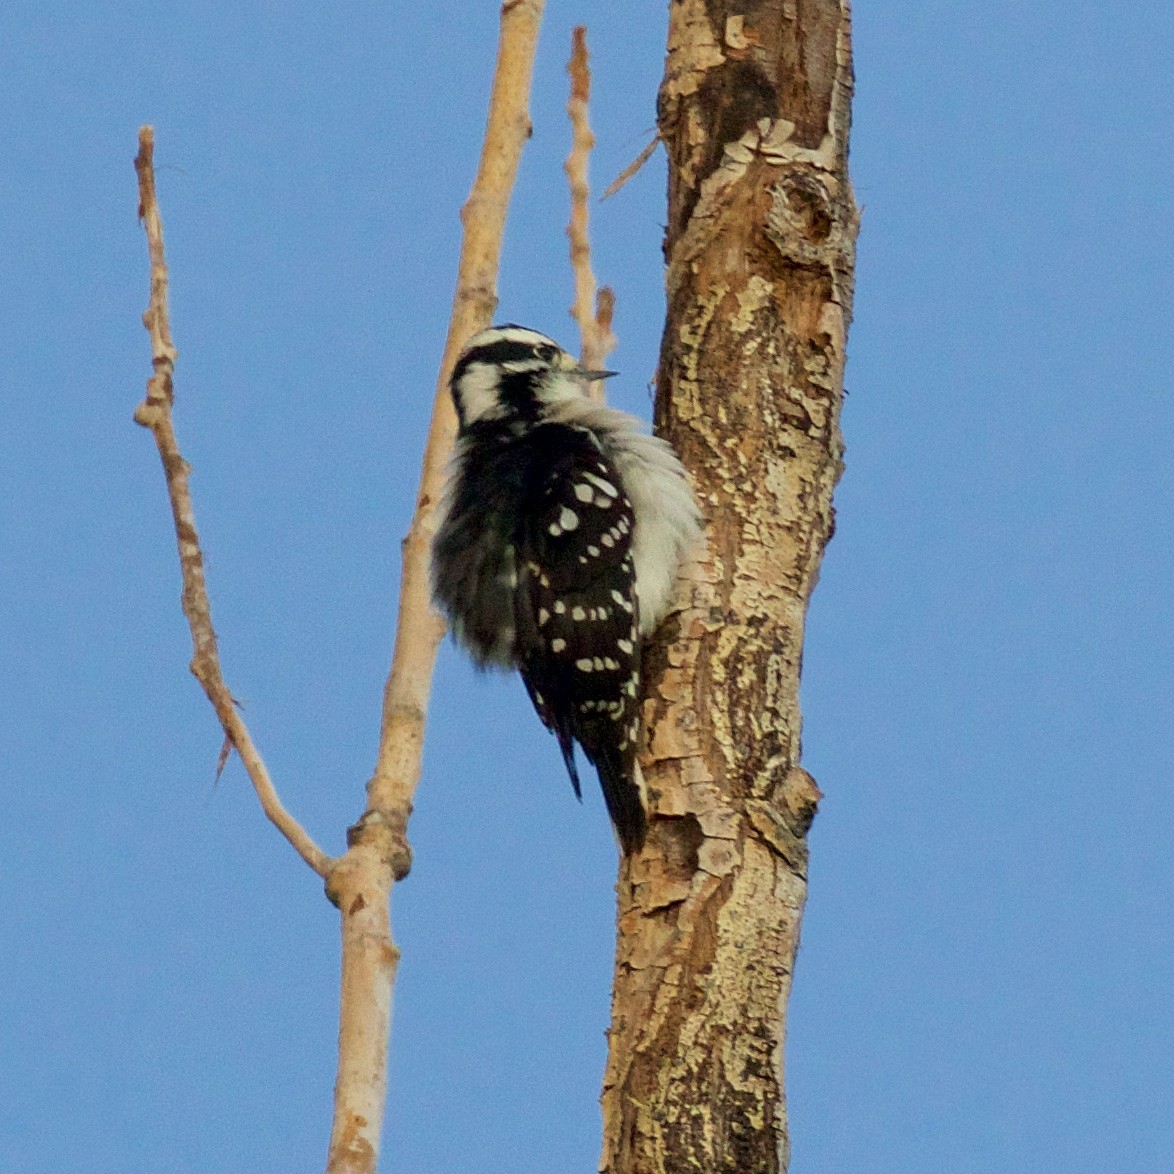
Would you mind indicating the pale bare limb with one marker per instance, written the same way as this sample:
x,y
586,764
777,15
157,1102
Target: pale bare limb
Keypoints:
x,y
155,413
419,629
378,855
582,142
592,312
360,881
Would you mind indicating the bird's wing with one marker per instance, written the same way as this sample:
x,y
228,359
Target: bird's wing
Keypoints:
x,y
575,608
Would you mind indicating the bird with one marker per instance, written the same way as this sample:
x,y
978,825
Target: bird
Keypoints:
x,y
559,536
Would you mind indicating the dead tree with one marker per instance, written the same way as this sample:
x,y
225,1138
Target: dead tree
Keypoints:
x,y
754,113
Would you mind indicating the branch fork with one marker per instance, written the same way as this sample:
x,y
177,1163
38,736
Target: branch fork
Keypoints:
x,y
359,882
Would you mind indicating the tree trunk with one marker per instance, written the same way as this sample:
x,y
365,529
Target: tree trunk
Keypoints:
x,y
754,112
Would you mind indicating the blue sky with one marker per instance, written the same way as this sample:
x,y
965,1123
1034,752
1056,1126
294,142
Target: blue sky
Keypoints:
x,y
986,967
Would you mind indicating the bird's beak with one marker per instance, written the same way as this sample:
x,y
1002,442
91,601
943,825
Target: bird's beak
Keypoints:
x,y
572,366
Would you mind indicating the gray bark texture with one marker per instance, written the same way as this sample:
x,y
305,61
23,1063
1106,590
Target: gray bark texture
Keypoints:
x,y
754,113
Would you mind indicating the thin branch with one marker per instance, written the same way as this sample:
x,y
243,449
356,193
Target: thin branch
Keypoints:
x,y
631,169
419,629
592,312
582,142
360,884
155,413
605,339
360,881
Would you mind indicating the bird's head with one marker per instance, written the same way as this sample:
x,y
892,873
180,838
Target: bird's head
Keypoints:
x,y
510,372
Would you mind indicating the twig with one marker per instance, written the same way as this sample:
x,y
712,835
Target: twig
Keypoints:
x,y
155,413
605,339
593,313
360,884
631,169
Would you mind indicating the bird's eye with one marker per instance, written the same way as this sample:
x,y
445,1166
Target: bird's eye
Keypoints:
x,y
548,354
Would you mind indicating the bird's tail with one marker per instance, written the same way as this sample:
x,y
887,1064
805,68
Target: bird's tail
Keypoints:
x,y
623,792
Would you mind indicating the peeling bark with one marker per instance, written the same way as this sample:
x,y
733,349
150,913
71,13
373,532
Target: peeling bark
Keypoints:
x,y
754,112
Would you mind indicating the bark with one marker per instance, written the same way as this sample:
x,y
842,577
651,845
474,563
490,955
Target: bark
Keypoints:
x,y
754,113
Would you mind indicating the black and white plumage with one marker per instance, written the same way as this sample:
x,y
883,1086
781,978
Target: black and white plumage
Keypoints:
x,y
558,542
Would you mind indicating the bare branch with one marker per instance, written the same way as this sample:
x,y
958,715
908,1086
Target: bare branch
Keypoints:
x,y
631,169
419,629
592,313
360,884
605,339
360,881
155,413
582,142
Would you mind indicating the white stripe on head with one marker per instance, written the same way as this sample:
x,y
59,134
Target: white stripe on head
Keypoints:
x,y
507,333
514,350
